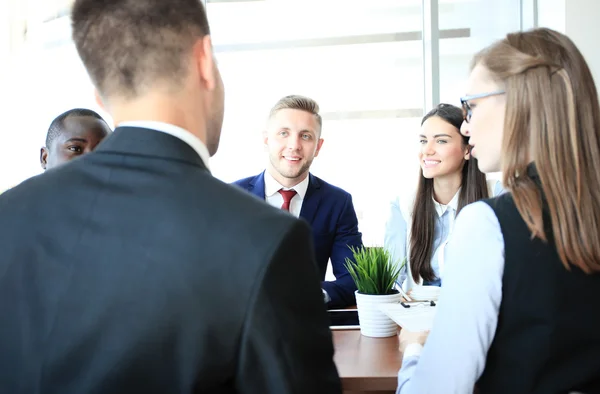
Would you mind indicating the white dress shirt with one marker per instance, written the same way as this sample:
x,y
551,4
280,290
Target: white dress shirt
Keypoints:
x,y
175,131
275,199
453,205
467,315
446,230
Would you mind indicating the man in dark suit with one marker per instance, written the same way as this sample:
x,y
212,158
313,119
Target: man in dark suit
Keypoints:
x,y
293,140
132,269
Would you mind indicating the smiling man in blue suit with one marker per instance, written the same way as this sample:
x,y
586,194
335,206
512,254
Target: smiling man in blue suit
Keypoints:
x,y
293,140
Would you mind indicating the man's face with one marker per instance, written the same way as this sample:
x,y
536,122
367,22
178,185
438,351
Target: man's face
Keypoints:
x,y
80,135
293,140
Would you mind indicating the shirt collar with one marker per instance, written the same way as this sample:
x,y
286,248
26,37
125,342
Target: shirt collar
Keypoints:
x,y
177,132
441,209
272,186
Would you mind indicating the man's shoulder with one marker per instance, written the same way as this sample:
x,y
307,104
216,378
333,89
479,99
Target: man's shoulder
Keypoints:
x,y
250,222
45,192
226,208
35,187
22,191
249,211
240,199
245,181
331,190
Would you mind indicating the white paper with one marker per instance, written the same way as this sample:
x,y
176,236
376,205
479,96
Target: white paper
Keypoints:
x,y
415,318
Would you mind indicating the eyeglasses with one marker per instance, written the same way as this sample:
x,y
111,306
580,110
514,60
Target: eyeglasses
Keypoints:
x,y
467,111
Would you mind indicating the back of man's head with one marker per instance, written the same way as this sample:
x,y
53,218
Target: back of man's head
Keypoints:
x,y
152,60
128,46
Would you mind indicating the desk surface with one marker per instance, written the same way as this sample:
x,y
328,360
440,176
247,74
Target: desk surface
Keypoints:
x,y
366,364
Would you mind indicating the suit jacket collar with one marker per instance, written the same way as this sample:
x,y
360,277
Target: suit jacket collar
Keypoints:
x,y
139,141
175,131
311,200
257,185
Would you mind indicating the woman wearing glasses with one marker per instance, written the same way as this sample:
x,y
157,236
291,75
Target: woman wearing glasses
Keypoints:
x,y
530,323
418,226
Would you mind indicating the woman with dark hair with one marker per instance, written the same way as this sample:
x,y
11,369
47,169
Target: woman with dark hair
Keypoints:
x,y
518,312
449,179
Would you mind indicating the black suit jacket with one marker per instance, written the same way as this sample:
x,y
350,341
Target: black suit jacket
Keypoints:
x,y
133,270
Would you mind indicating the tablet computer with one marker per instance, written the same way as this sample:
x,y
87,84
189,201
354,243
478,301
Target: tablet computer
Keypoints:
x,y
343,319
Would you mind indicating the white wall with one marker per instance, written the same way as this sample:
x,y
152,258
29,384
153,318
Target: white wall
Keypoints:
x,y
583,28
578,19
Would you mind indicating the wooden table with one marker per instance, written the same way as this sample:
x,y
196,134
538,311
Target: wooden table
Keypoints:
x,y
366,365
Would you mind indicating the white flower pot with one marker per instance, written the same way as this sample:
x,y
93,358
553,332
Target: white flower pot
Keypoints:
x,y
373,322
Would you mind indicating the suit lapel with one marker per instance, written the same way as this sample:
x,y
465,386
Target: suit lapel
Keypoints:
x,y
311,199
257,186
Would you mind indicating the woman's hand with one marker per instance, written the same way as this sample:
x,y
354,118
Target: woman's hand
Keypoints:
x,y
408,294
409,337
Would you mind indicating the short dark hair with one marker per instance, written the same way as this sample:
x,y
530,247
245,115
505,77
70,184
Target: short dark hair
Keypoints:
x,y
58,124
127,45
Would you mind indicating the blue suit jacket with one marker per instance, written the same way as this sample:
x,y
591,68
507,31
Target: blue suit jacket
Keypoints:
x,y
329,211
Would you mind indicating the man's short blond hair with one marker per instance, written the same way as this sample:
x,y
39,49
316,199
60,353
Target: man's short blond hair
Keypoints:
x,y
298,102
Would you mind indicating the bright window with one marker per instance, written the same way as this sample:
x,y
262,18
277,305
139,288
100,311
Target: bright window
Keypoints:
x,y
362,61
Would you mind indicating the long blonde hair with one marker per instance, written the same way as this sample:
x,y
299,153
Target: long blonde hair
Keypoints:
x,y
553,117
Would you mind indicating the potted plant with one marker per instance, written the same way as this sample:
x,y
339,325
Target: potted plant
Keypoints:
x,y
375,275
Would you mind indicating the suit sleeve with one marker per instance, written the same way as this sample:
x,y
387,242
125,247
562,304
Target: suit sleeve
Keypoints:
x,y
341,291
286,344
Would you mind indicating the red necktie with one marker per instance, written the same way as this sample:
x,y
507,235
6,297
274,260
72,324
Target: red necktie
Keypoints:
x,y
287,197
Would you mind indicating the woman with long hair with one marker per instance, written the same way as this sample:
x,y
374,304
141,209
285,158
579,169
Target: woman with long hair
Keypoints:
x,y
449,179
518,312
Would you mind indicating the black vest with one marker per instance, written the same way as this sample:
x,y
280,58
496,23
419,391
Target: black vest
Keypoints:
x,y
548,335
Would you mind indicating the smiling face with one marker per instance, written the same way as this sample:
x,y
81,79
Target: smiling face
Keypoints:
x,y
80,135
442,152
486,126
292,139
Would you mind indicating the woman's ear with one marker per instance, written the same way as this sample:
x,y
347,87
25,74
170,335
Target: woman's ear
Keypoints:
x,y
468,152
